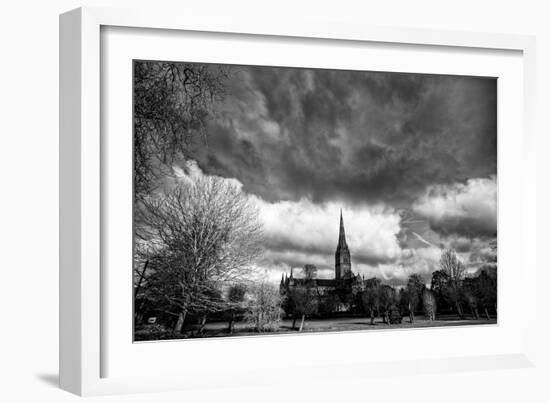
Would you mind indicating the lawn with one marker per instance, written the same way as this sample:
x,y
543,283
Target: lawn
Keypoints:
x,y
219,329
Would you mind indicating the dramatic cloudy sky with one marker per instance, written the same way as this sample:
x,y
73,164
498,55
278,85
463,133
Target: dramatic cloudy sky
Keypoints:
x,y
410,159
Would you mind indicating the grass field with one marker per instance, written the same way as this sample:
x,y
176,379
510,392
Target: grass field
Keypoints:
x,y
219,329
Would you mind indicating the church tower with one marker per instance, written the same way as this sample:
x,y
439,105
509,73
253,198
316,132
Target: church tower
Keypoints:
x,y
342,255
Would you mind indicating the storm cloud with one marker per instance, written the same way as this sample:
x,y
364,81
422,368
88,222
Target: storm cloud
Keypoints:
x,y
358,136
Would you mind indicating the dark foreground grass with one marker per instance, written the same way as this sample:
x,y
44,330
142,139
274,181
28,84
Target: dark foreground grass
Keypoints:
x,y
219,329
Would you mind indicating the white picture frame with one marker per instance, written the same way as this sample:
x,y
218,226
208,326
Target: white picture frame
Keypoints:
x,y
82,175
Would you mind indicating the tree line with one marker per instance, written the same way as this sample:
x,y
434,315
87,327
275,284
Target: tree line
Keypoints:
x,y
450,292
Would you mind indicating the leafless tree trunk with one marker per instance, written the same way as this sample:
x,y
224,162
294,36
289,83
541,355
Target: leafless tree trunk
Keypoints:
x,y
236,296
302,323
487,314
231,322
202,323
140,280
459,310
430,305
451,264
179,324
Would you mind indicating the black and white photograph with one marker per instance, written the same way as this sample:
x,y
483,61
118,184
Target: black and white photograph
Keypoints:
x,y
279,200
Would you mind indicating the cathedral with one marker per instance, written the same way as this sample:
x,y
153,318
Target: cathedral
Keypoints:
x,y
344,282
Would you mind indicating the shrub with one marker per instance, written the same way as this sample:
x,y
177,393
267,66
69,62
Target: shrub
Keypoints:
x,y
264,308
394,315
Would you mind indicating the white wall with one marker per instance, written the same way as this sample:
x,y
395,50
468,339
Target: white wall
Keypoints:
x,y
29,212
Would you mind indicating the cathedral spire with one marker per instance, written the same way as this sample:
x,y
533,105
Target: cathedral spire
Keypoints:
x,y
342,236
342,255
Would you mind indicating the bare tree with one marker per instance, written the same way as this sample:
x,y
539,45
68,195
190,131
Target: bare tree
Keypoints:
x,y
440,288
139,277
264,308
486,290
235,297
451,264
302,303
415,288
430,305
387,298
172,105
198,236
472,303
371,297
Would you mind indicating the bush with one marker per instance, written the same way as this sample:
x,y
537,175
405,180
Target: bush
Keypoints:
x,y
264,308
394,315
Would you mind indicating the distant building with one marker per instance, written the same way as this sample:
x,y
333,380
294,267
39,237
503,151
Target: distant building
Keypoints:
x,y
345,282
